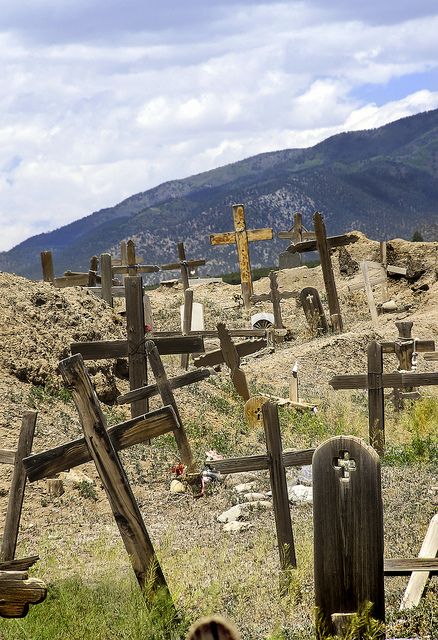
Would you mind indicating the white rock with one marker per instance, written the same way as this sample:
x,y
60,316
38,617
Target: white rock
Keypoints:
x,y
251,497
231,515
236,526
177,487
305,475
256,504
246,486
300,494
390,305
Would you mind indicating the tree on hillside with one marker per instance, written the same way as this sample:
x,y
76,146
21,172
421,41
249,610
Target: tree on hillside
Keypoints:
x,y
417,237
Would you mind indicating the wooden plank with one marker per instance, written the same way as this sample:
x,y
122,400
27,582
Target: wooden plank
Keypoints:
x,y
332,242
389,380
260,462
420,346
187,323
17,592
20,564
213,358
80,280
283,523
212,333
275,298
123,504
431,356
139,268
232,360
18,483
405,566
47,266
376,399
327,272
168,398
369,293
243,253
298,458
175,383
107,349
135,329
174,266
313,310
123,435
259,234
7,456
348,528
107,278
418,580
401,271
229,237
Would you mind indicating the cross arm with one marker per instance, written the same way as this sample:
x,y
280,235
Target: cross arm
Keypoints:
x,y
420,346
395,380
213,358
229,237
119,348
139,268
405,566
334,241
172,266
259,463
175,383
123,435
7,456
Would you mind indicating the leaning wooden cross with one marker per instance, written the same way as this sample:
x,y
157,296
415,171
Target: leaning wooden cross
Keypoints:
x,y
276,462
323,245
241,237
274,296
375,381
134,346
101,446
18,483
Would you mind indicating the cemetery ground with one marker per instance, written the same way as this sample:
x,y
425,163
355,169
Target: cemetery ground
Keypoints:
x,y
92,589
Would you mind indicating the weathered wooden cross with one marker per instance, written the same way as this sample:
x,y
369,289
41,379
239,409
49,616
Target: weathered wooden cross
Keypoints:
x,y
375,381
241,237
187,267
101,445
134,346
276,462
323,245
132,267
348,534
70,278
274,296
298,233
18,483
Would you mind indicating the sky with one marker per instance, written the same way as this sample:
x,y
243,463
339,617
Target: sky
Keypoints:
x,y
101,99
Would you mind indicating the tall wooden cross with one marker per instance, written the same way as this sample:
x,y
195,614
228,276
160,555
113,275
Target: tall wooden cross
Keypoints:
x,y
274,296
323,245
298,233
241,236
187,267
375,381
18,483
276,462
132,267
101,446
134,346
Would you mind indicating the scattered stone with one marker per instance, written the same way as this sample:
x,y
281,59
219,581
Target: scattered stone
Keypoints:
x,y
305,475
252,497
177,487
236,526
246,486
231,515
299,494
390,305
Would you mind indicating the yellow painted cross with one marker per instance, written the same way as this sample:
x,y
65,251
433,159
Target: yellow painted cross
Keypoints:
x,y
241,237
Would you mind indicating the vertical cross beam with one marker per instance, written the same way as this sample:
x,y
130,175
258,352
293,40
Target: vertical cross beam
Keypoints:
x,y
47,266
232,360
187,323
106,278
243,252
16,492
138,376
123,504
327,272
376,399
348,529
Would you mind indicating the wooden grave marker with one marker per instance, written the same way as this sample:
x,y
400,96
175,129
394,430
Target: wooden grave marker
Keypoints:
x,y
188,268
312,307
70,278
348,529
375,381
323,245
134,346
231,356
133,267
296,234
17,592
151,390
241,236
101,446
276,462
217,357
213,628
18,484
186,323
274,296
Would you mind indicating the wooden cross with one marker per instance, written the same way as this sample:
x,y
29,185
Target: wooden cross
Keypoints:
x,y
274,296
18,483
101,445
134,346
123,260
241,237
216,357
276,462
375,381
70,278
132,267
189,268
323,245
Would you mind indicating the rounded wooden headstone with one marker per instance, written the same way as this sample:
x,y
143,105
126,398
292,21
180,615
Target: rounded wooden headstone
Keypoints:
x,y
253,411
213,628
348,528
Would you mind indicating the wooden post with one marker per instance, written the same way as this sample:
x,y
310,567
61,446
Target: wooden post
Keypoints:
x,y
106,278
369,293
123,504
327,272
232,360
17,592
187,323
418,580
312,307
278,322
280,497
16,492
47,266
123,253
348,528
138,375
293,387
168,399
376,399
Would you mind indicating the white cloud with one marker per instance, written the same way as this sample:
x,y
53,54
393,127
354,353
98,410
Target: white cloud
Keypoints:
x,y
86,122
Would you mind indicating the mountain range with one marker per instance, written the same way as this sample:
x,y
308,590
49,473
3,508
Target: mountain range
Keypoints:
x,y
381,181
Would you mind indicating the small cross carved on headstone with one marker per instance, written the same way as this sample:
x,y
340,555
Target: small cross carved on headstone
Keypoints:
x,y
345,464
